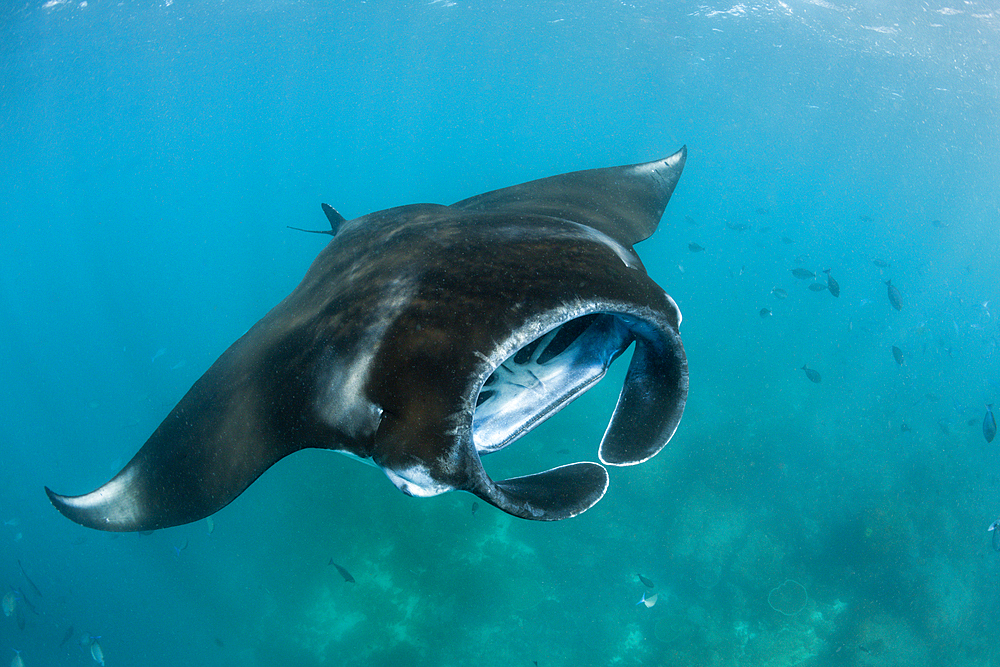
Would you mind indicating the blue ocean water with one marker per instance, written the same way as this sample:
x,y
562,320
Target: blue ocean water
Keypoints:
x,y
153,153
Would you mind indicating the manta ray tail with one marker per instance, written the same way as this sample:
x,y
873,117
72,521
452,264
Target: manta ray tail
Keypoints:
x,y
552,495
333,217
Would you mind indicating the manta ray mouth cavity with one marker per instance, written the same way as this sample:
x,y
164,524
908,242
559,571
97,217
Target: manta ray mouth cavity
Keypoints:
x,y
545,375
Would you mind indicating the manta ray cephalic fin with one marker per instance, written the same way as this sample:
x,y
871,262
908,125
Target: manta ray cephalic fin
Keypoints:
x,y
559,493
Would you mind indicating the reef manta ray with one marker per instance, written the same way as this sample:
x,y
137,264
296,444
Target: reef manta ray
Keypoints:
x,y
425,336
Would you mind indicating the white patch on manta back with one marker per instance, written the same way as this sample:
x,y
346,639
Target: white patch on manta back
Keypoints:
x,y
344,402
626,255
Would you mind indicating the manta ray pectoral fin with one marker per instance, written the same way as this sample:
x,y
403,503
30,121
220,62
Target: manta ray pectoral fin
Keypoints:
x,y
168,483
626,203
552,495
209,449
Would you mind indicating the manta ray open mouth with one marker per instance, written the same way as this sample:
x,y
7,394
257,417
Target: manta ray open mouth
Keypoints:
x,y
546,375
425,335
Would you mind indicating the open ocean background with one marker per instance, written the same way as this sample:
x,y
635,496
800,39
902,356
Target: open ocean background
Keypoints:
x,y
152,153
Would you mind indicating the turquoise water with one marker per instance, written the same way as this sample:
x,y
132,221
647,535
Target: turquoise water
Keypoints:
x,y
154,152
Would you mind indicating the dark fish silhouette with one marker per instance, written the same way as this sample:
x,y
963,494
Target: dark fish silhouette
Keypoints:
x,y
813,376
895,298
69,633
786,240
738,226
765,312
989,424
817,287
779,293
938,224
694,247
27,603
803,274
897,354
882,264
28,579
344,573
832,284
905,428
647,582
475,508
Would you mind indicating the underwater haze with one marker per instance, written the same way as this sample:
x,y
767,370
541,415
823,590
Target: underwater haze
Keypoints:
x,y
155,151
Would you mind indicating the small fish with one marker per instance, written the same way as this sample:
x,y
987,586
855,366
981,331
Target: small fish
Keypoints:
x,y
897,354
694,247
69,633
9,603
803,274
344,573
16,661
882,264
178,550
28,579
817,287
19,594
813,376
765,312
905,428
989,426
832,284
159,353
996,534
864,218
647,582
762,211
895,298
11,522
738,226
786,240
475,508
210,525
779,293
648,601
96,652
938,224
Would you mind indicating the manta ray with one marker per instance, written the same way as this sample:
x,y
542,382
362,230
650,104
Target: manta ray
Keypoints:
x,y
424,337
